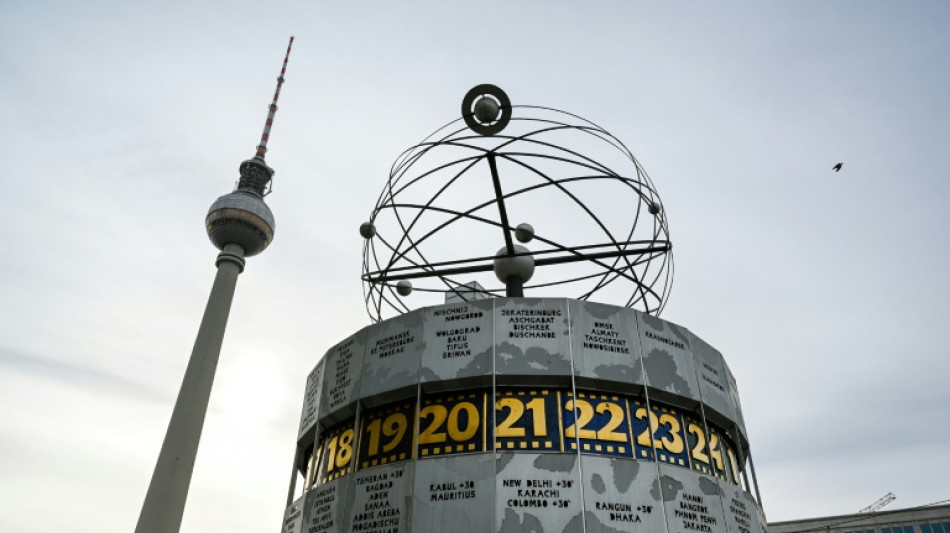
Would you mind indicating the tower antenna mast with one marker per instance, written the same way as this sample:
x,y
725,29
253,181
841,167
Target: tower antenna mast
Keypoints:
x,y
272,110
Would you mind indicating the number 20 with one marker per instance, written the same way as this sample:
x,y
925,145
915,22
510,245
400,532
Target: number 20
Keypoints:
x,y
439,414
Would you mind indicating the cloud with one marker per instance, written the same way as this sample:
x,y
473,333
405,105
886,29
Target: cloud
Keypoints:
x,y
13,363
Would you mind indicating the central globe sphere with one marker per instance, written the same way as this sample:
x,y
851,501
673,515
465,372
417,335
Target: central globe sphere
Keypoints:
x,y
521,266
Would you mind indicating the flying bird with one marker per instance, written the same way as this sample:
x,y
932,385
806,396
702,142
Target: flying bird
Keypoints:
x,y
838,167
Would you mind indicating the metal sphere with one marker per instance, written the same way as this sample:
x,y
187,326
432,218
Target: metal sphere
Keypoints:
x,y
519,265
486,109
654,208
524,232
240,218
404,287
367,230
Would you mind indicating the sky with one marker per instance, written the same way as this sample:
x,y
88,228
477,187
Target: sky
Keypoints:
x,y
122,122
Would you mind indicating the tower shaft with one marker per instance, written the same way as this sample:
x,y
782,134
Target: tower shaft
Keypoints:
x,y
165,500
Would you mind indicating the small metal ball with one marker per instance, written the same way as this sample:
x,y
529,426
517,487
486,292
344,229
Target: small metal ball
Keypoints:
x,y
403,287
654,208
506,267
367,230
524,232
486,109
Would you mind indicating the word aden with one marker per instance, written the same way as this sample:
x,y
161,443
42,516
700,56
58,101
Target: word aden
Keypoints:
x,y
531,323
377,515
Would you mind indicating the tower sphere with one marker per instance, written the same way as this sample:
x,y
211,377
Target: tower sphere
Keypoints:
x,y
519,265
242,217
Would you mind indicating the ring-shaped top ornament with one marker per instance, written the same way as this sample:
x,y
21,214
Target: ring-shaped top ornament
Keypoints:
x,y
468,113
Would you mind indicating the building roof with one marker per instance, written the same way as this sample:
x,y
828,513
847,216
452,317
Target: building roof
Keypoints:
x,y
876,522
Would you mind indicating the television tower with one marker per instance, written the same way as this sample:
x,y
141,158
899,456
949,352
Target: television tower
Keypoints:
x,y
241,225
